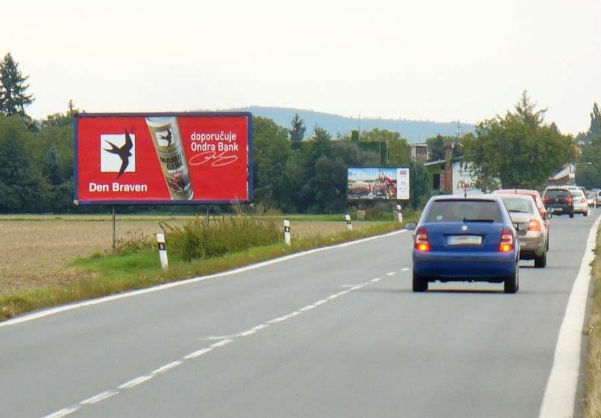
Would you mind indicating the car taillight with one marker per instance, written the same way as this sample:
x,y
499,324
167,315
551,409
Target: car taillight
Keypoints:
x,y
421,240
570,200
534,225
506,243
583,200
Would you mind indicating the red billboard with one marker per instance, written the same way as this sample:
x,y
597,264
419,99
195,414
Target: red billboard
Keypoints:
x,y
162,158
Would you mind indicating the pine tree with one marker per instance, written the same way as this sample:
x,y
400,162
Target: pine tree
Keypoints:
x,y
297,133
13,97
51,167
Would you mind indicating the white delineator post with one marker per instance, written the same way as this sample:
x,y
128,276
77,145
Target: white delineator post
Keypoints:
x,y
162,251
399,213
349,224
287,231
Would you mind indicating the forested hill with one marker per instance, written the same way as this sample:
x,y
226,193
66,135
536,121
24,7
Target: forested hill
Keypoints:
x,y
413,131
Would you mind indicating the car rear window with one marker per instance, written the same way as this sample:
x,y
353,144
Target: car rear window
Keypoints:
x,y
556,193
514,204
464,211
576,193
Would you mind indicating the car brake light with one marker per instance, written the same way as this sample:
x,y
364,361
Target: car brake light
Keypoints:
x,y
583,200
506,243
570,200
421,240
534,225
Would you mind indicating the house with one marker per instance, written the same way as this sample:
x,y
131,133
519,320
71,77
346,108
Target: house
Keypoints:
x,y
419,153
567,176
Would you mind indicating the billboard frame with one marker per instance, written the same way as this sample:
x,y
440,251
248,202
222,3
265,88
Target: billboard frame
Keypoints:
x,y
250,161
373,200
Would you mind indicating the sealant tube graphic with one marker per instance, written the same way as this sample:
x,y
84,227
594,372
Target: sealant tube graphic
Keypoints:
x,y
168,144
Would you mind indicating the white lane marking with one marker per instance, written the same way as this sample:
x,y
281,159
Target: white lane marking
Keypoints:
x,y
406,269
198,353
276,320
60,309
260,327
168,367
63,412
247,333
99,398
376,280
346,286
307,308
358,287
221,343
219,337
392,273
320,302
135,382
560,393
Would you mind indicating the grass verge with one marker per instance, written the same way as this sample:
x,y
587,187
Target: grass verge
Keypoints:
x,y
103,275
592,404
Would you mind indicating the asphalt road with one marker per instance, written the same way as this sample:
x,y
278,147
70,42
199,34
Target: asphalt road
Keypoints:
x,y
336,333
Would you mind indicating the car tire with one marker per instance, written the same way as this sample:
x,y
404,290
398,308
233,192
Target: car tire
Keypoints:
x,y
548,244
571,214
420,283
541,262
512,283
585,213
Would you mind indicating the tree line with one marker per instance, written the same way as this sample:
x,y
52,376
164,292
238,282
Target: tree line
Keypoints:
x,y
294,171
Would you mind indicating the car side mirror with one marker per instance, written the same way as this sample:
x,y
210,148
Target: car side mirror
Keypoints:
x,y
410,226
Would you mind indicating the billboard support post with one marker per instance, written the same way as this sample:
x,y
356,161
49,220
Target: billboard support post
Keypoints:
x,y
114,232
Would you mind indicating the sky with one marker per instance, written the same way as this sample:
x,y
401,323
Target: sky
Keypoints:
x,y
436,60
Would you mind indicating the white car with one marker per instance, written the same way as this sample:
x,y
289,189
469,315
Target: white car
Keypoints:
x,y
580,202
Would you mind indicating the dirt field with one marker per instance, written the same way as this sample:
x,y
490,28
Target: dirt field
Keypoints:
x,y
35,251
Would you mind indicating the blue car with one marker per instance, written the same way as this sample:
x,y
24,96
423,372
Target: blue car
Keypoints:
x,y
469,239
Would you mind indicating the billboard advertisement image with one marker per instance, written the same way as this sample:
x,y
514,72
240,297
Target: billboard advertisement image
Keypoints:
x,y
377,183
166,158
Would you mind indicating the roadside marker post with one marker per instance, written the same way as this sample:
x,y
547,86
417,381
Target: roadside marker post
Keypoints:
x,y
162,251
399,213
349,224
287,231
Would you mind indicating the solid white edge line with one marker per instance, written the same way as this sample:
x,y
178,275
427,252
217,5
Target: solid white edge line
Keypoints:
x,y
98,398
63,412
135,382
60,309
221,343
199,353
560,394
167,367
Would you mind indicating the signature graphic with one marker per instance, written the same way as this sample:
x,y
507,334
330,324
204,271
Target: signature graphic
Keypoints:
x,y
123,152
217,159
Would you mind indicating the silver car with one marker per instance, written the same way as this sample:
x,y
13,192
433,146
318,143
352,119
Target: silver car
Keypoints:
x,y
532,232
580,202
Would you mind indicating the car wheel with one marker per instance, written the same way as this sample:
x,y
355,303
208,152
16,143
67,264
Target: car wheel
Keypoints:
x,y
571,214
420,283
512,283
541,262
585,213
548,244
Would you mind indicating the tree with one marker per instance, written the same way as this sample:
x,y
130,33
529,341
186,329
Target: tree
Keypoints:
x,y
13,97
518,149
51,167
439,144
594,130
297,133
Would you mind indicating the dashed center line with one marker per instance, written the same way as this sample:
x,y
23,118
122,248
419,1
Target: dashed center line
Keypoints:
x,y
223,341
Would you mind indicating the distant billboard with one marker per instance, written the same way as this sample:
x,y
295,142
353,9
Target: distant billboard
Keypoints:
x,y
377,183
162,158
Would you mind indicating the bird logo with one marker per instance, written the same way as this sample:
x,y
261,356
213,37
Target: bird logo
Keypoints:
x,y
124,152
168,137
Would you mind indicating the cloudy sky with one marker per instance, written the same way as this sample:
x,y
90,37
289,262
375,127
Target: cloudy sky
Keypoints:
x,y
435,60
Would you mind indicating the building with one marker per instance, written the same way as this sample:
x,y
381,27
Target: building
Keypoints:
x,y
419,153
567,176
452,177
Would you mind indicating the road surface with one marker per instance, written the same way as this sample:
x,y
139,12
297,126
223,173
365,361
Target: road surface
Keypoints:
x,y
335,333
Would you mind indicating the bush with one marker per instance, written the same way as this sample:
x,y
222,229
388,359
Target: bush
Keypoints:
x,y
202,239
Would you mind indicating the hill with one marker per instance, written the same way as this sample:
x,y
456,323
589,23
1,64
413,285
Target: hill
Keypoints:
x,y
413,131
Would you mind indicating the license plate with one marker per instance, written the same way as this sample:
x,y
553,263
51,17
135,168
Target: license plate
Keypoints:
x,y
464,240
555,209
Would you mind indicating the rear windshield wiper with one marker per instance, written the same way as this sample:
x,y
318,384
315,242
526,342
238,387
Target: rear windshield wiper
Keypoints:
x,y
519,211
478,220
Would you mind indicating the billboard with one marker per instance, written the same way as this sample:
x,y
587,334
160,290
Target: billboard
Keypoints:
x,y
377,183
162,158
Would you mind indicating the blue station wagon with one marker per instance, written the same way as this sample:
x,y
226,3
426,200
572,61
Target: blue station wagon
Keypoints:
x,y
468,239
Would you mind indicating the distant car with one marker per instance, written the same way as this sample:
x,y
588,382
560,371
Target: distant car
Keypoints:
x,y
580,203
559,201
532,233
539,204
591,199
465,239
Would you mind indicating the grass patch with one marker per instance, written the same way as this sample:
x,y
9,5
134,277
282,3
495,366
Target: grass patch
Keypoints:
x,y
592,403
137,266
